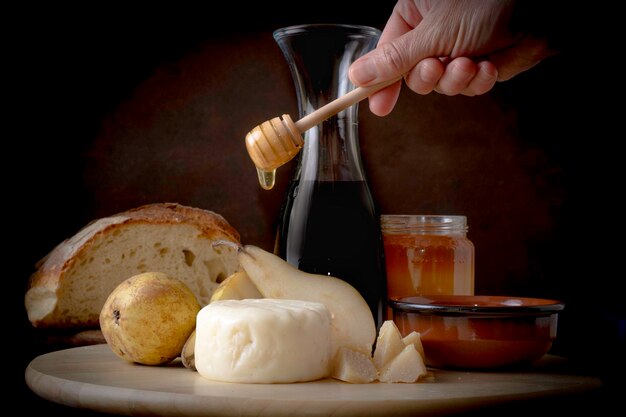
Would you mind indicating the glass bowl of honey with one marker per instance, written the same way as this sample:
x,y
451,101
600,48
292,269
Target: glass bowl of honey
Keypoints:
x,y
479,332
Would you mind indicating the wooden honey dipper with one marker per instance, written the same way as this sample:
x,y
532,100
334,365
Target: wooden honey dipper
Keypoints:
x,y
275,142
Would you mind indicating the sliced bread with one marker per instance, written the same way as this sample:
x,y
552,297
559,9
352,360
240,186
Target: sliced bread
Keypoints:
x,y
73,281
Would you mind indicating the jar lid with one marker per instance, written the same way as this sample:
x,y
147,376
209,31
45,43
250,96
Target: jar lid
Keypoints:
x,y
422,223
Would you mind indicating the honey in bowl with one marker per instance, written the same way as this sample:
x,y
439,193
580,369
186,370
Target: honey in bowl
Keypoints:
x,y
479,332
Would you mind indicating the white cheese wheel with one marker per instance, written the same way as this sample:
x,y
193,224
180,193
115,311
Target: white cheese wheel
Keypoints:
x,y
263,341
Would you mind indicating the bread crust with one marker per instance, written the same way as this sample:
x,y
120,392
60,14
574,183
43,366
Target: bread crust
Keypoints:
x,y
50,270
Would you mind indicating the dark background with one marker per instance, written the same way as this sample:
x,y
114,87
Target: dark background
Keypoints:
x,y
111,108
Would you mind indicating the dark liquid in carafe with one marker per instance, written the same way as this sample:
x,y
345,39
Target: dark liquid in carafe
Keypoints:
x,y
330,228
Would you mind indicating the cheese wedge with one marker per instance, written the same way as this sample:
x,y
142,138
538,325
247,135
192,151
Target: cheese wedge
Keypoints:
x,y
263,341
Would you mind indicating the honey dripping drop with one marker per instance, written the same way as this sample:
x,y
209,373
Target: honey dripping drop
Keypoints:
x,y
266,178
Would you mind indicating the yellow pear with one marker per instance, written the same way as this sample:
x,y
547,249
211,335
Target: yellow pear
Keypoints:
x,y
388,345
414,338
407,366
188,354
148,318
354,367
237,286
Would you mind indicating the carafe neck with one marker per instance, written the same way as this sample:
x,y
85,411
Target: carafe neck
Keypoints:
x,y
319,57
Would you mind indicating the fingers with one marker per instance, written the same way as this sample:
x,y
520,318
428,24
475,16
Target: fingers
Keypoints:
x,y
383,101
459,76
425,76
484,80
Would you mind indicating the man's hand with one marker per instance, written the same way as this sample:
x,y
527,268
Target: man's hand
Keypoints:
x,y
449,46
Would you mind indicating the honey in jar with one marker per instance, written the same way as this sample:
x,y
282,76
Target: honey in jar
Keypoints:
x,y
427,255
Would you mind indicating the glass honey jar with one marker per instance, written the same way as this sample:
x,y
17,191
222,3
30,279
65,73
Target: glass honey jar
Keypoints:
x,y
427,255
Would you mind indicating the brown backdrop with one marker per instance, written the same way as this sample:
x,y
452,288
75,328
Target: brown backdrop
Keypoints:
x,y
120,109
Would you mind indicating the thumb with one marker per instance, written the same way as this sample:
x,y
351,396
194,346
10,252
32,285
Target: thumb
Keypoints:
x,y
392,59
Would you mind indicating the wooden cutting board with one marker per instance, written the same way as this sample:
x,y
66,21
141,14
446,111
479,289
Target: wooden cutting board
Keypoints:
x,y
93,377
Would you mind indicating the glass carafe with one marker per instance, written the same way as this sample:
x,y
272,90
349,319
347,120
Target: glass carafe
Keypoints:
x,y
328,223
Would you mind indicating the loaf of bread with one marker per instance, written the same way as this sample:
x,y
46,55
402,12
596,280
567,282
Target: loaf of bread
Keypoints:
x,y
73,281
